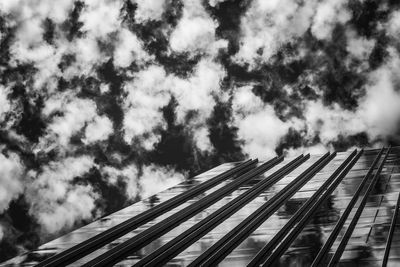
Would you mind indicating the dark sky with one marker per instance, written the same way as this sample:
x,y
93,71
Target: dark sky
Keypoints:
x,y
104,102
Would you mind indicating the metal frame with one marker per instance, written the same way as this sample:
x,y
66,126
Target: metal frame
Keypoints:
x,y
343,242
230,241
391,232
188,237
76,252
140,240
329,242
329,185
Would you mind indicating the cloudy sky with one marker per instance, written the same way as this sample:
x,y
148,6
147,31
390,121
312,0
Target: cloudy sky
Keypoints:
x,y
104,102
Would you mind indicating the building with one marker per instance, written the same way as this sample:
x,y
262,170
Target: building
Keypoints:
x,y
318,210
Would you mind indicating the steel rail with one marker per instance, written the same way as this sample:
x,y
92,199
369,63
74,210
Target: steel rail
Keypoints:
x,y
343,242
82,249
339,225
224,246
274,253
335,178
126,248
187,238
391,232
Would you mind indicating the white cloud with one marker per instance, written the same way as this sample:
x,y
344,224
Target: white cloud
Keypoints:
x,y
100,18
317,149
259,127
196,92
156,179
129,48
201,139
128,174
380,108
153,179
358,46
393,27
146,96
195,31
151,89
149,10
268,24
330,122
1,232
377,114
328,13
98,130
76,112
11,185
55,201
214,3
74,115
26,9
4,103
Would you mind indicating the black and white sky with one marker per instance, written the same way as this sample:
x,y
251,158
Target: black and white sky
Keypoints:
x,y
103,102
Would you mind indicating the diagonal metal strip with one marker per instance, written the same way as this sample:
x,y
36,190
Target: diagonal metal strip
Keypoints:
x,y
76,252
274,253
343,242
338,174
338,227
391,232
224,246
187,238
126,248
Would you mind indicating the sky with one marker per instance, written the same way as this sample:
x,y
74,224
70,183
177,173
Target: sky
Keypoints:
x,y
104,102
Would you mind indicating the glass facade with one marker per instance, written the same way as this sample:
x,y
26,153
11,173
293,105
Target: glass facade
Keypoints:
x,y
283,217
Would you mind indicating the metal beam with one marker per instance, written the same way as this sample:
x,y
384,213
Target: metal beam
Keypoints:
x,y
82,249
343,242
128,247
335,178
391,232
172,248
278,251
230,241
319,260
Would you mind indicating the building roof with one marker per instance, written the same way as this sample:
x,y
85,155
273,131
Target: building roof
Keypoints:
x,y
309,210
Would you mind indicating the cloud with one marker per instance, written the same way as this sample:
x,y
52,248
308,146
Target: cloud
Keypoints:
x,y
380,107
359,47
129,48
328,13
100,18
328,122
128,174
215,3
156,178
149,10
393,25
4,103
195,32
377,114
28,9
98,130
11,185
268,24
149,181
1,232
76,112
147,94
55,201
259,127
196,92
150,91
